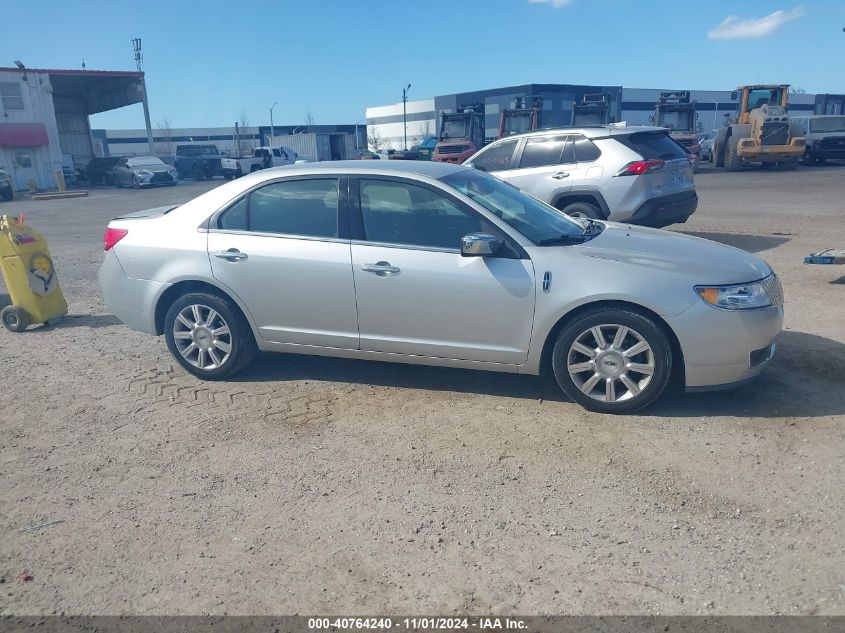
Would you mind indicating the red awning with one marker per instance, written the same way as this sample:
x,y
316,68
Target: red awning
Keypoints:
x,y
23,134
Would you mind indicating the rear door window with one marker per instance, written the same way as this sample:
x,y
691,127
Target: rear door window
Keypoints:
x,y
497,157
653,145
541,151
585,150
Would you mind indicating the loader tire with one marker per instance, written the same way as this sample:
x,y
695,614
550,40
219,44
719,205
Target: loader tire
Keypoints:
x,y
733,162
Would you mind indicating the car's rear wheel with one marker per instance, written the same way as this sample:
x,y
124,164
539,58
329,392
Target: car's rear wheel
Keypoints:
x,y
208,335
612,360
199,174
582,210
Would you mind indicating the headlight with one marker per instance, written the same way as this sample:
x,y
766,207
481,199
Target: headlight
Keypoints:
x,y
756,294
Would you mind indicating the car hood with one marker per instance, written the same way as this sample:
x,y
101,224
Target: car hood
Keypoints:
x,y
704,261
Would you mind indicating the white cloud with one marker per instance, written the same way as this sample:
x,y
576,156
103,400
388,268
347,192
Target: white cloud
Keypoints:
x,y
734,28
557,4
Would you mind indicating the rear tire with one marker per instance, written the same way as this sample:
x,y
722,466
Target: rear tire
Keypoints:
x,y
134,182
612,359
788,165
212,340
15,318
583,210
255,168
808,159
199,174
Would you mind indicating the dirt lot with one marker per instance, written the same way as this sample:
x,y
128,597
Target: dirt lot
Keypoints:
x,y
314,485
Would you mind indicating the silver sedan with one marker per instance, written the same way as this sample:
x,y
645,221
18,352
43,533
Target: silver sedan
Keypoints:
x,y
437,264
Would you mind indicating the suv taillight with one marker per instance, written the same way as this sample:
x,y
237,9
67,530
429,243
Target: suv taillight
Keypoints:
x,y
640,167
112,237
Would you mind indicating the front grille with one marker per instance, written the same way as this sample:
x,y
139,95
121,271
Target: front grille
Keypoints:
x,y
157,178
775,133
774,289
450,149
832,142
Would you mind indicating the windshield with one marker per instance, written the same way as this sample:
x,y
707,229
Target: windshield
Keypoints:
x,y
454,128
144,161
828,124
535,220
763,96
516,122
675,120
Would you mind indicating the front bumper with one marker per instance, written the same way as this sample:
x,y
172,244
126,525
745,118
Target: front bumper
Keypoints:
x,y
723,348
665,210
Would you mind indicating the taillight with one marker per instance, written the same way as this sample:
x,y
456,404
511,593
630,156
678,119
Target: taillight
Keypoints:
x,y
640,167
113,236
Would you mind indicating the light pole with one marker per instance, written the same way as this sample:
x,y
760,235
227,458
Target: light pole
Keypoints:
x,y
272,131
405,113
716,115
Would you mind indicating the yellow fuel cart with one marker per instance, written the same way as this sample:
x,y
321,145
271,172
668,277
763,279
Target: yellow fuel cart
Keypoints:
x,y
30,277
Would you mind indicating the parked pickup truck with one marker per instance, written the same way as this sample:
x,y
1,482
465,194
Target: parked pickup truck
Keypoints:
x,y
261,158
197,161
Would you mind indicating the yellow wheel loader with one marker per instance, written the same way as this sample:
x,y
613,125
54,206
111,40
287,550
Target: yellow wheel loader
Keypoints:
x,y
761,133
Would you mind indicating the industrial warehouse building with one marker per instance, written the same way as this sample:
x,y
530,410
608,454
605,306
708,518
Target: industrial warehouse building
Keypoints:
x,y
44,118
228,140
633,105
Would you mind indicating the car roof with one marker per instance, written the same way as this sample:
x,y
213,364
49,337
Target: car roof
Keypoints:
x,y
421,167
591,131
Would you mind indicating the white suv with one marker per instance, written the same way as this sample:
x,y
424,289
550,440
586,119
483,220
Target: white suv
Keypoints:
x,y
632,174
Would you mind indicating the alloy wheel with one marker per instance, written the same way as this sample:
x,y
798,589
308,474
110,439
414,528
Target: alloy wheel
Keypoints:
x,y
611,363
202,337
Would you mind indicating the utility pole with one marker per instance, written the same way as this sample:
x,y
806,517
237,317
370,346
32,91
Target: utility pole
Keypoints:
x,y
405,113
139,59
272,130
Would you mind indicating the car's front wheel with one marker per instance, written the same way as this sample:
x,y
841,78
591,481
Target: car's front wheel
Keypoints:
x,y
583,210
612,360
208,335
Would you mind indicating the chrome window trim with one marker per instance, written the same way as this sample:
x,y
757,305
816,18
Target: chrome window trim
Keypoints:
x,y
287,236
412,247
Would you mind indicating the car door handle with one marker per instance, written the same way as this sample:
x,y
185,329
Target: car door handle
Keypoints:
x,y
232,255
560,175
382,269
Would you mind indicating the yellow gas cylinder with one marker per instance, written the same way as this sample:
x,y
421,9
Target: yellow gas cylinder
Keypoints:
x,y
30,277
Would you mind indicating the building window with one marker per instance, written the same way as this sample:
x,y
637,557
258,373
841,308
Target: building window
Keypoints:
x,y
23,157
11,96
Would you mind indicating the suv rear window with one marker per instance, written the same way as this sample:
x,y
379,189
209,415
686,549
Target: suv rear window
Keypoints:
x,y
653,145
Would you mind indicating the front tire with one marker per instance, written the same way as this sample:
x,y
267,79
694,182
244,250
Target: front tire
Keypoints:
x,y
733,162
583,210
208,336
808,159
612,360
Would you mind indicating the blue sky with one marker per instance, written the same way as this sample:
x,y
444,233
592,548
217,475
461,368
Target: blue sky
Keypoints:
x,y
208,60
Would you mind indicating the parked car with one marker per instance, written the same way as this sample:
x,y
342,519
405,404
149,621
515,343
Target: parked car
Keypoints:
x,y
261,158
365,154
438,264
635,174
99,170
7,192
143,171
197,161
824,137
706,144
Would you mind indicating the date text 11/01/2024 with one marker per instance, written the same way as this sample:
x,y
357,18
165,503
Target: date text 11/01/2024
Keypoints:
x,y
417,624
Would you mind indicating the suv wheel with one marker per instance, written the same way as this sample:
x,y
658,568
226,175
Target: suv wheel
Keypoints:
x,y
583,210
208,336
612,360
807,159
199,174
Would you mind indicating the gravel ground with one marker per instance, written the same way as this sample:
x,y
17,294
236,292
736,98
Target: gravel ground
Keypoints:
x,y
314,485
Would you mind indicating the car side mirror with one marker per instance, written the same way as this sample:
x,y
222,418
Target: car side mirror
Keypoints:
x,y
479,245
475,166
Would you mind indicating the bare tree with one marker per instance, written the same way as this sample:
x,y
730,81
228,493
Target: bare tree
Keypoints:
x,y
798,90
425,130
164,147
309,121
374,140
247,142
